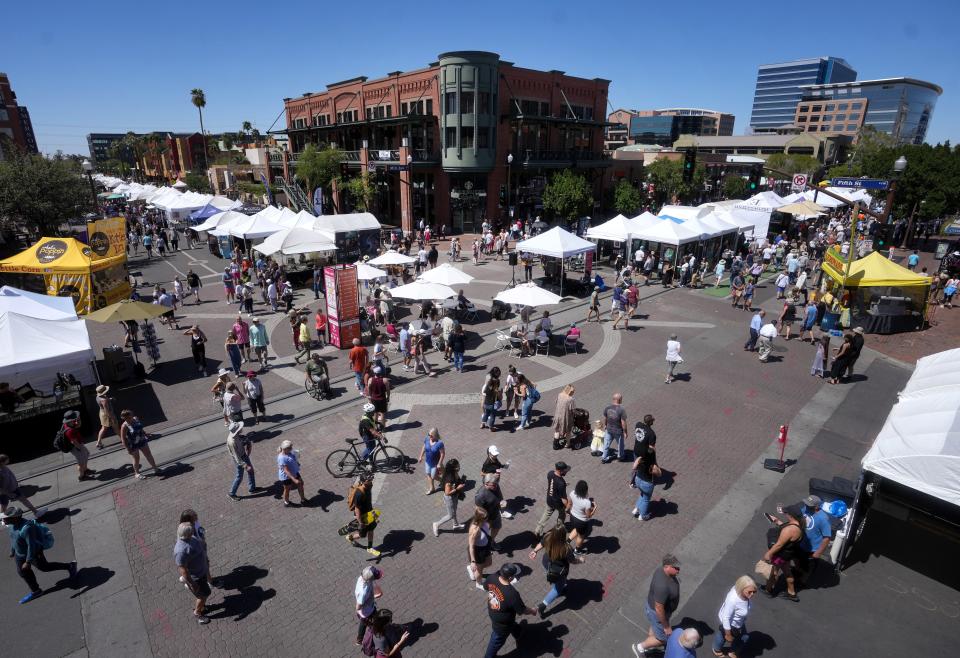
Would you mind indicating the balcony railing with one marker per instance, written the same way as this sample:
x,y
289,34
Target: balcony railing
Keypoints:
x,y
275,156
351,156
423,155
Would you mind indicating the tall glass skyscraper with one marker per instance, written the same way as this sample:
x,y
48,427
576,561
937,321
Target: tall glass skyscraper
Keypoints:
x,y
778,90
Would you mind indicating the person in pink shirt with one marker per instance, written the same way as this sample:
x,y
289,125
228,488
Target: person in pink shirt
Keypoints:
x,y
242,331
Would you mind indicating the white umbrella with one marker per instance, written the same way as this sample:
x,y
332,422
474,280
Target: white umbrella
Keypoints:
x,y
528,294
391,258
421,290
446,274
367,273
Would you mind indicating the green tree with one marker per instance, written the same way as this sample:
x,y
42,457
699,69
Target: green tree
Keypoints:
x,y
567,195
198,182
790,163
199,100
245,129
228,140
626,199
42,192
667,178
360,191
734,187
319,167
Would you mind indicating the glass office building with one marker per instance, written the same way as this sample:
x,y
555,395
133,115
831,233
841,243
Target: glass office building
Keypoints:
x,y
665,129
777,91
901,107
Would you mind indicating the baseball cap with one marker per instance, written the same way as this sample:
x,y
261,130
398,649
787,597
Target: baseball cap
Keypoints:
x,y
794,510
254,318
509,570
494,450
371,573
561,466
670,560
812,501
286,443
251,373
377,370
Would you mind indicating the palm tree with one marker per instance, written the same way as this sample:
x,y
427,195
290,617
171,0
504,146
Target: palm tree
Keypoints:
x,y
245,129
199,100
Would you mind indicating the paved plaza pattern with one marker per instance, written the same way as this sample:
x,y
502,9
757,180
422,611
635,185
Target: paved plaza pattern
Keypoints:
x,y
288,577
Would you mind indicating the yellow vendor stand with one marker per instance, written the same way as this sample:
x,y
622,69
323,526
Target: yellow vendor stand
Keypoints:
x,y
882,297
94,276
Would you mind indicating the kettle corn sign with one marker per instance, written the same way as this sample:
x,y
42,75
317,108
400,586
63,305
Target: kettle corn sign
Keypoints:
x,y
107,237
50,251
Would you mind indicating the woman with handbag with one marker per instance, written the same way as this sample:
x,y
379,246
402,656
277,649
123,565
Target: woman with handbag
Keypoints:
x,y
781,556
453,486
563,417
733,614
134,439
645,471
558,555
528,393
479,549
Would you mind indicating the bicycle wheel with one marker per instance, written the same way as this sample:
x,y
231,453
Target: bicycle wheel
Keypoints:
x,y
388,459
342,463
312,390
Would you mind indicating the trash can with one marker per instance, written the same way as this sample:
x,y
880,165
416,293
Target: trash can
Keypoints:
x,y
118,364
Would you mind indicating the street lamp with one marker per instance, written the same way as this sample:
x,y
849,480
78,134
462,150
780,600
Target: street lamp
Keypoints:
x,y
898,167
509,162
87,166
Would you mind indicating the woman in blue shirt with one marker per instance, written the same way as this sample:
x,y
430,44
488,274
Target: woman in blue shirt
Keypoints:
x,y
431,454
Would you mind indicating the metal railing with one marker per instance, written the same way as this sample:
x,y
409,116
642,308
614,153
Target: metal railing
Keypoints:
x,y
384,155
423,155
351,156
275,156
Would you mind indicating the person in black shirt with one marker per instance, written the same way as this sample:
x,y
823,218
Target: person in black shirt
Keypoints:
x,y
645,471
855,351
503,605
644,438
492,463
362,504
557,501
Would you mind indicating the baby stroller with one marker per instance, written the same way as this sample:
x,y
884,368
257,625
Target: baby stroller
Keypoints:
x,y
581,427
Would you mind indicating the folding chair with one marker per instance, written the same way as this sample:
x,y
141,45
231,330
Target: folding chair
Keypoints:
x,y
516,347
571,343
503,341
470,313
544,344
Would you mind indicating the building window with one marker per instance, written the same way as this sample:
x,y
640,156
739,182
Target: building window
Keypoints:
x,y
855,116
856,106
804,108
451,102
814,118
801,119
841,117
389,111
403,109
816,108
483,138
544,109
450,138
466,137
851,127
838,127
483,102
466,103
429,106
842,106
830,107
369,113
828,117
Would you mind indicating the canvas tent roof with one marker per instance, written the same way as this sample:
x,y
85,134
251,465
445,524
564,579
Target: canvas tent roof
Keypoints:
x,y
57,255
361,221
618,229
35,305
935,372
919,444
33,350
670,232
248,228
557,243
295,241
877,271
220,220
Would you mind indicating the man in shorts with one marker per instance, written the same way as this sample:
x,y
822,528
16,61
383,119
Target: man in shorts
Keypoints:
x,y
378,392
191,560
169,317
317,373
594,304
362,507
662,601
259,340
194,283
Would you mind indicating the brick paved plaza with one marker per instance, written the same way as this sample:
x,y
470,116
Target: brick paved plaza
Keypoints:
x,y
289,577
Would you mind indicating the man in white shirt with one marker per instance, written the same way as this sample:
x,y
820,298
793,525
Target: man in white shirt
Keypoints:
x,y
169,317
638,257
767,333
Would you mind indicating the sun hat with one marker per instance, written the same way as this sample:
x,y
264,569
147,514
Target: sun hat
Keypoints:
x,y
223,371
12,512
102,389
812,501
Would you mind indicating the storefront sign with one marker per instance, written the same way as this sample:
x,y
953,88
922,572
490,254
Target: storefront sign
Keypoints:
x,y
107,237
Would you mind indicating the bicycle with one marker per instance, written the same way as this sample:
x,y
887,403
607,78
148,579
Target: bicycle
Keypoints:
x,y
347,462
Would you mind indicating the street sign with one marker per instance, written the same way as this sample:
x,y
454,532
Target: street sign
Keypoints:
x,y
864,183
799,182
371,167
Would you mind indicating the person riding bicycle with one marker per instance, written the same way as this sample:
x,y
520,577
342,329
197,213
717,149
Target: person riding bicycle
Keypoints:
x,y
318,374
369,431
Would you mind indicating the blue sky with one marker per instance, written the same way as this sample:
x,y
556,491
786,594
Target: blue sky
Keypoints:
x,y
105,66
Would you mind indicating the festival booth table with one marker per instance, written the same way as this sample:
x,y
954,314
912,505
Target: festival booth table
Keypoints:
x,y
299,249
882,297
559,244
912,471
355,234
72,269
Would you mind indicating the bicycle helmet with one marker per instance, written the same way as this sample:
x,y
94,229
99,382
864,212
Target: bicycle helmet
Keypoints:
x,y
368,407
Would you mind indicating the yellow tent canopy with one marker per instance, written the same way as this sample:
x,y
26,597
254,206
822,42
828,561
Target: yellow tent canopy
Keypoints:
x,y
50,255
876,271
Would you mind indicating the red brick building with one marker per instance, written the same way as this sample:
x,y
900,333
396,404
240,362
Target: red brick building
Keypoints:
x,y
16,128
457,141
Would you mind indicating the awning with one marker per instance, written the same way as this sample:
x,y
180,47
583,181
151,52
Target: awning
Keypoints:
x,y
876,271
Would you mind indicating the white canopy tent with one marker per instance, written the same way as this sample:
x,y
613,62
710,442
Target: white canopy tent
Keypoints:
x,y
248,228
934,372
617,229
220,220
33,350
292,241
557,243
670,232
360,221
35,305
368,272
756,211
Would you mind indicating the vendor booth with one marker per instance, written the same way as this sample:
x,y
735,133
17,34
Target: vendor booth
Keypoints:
x,y
561,245
875,293
70,268
912,472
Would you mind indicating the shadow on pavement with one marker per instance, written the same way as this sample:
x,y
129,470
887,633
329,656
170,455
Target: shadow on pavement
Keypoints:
x,y
399,541
143,400
89,578
542,638
169,373
323,499
598,544
660,508
173,470
249,596
418,629
579,593
57,515
519,541
31,490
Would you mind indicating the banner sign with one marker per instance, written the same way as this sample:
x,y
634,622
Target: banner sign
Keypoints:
x,y
835,259
107,237
343,307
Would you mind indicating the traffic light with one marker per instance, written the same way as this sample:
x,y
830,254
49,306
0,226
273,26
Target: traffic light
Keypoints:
x,y
883,237
756,172
689,164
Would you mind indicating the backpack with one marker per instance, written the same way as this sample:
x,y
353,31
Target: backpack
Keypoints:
x,y
368,647
42,535
533,394
61,442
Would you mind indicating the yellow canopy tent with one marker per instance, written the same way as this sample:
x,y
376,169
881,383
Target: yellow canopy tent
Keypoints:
x,y
72,269
873,281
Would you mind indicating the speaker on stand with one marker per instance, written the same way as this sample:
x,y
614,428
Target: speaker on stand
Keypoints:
x,y
512,258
